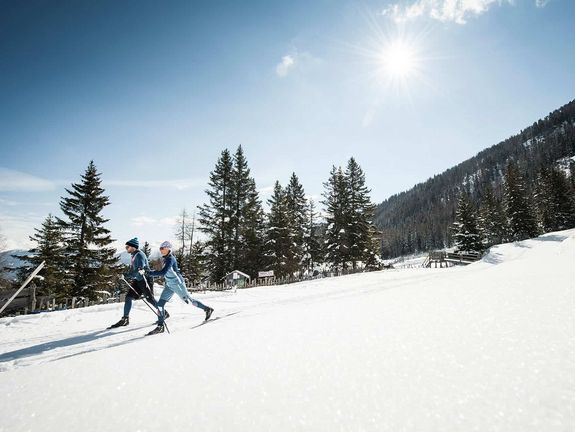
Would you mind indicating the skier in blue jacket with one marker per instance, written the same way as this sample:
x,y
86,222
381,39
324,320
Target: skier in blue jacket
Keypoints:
x,y
174,284
139,287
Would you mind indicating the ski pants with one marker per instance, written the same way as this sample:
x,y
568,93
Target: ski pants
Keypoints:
x,y
142,291
167,294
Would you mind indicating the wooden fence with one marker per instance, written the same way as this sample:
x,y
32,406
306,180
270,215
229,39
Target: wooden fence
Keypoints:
x,y
445,259
28,303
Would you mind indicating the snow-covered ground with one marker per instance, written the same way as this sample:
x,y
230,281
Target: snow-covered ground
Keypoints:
x,y
488,347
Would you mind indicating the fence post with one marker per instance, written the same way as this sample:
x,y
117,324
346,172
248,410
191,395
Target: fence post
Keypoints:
x,y
26,282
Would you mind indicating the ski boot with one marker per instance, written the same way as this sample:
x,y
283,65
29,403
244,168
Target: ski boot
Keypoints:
x,y
123,322
209,311
158,329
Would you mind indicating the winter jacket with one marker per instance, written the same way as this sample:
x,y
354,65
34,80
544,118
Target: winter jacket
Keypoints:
x,y
139,261
171,274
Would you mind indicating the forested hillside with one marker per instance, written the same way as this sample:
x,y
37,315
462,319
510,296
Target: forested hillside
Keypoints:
x,y
420,219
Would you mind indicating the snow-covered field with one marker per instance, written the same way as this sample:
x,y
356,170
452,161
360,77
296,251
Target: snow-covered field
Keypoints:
x,y
488,347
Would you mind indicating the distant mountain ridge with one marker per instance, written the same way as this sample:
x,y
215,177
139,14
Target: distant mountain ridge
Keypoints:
x,y
419,219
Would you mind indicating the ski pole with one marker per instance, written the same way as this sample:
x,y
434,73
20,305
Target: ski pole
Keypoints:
x,y
156,312
162,316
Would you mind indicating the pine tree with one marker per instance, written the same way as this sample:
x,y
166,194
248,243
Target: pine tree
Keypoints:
x,y
278,239
336,202
215,219
359,215
197,263
247,220
555,200
518,206
466,234
312,239
90,261
492,220
252,233
49,241
296,208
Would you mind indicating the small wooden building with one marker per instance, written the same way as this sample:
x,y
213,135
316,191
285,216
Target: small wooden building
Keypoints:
x,y
237,279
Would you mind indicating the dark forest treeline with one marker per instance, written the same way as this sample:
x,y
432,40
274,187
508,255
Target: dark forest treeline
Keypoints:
x,y
420,219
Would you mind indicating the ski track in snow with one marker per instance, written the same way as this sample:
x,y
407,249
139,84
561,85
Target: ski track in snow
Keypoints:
x,y
488,347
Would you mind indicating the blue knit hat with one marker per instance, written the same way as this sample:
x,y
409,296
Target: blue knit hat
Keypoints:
x,y
134,242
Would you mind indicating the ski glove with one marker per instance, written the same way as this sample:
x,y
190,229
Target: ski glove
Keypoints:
x,y
142,272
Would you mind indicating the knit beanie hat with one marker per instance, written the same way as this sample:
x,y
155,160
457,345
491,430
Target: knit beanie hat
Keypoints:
x,y
134,242
166,245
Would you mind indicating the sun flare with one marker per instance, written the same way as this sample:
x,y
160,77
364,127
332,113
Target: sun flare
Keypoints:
x,y
399,60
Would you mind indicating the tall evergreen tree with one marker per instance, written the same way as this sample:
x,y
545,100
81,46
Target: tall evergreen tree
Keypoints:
x,y
90,259
466,235
247,220
312,239
518,205
278,239
555,200
252,233
492,220
359,214
215,218
297,209
336,202
49,248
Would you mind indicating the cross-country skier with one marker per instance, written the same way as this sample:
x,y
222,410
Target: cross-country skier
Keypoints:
x,y
174,284
136,280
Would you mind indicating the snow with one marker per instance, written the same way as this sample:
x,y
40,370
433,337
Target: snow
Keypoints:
x,y
487,347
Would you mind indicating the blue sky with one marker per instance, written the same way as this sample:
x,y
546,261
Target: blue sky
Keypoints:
x,y
154,91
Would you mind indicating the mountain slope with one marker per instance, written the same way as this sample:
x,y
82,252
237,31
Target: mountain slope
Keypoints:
x,y
486,347
419,219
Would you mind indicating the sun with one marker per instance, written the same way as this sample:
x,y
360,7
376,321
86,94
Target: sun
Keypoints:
x,y
398,60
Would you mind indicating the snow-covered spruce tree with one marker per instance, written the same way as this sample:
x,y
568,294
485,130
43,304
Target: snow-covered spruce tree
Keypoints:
x,y
49,241
555,200
252,233
518,205
215,217
247,218
297,209
336,202
466,234
279,245
360,213
492,220
312,239
90,261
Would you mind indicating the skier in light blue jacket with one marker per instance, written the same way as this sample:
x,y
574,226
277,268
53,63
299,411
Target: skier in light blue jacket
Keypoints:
x,y
174,284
